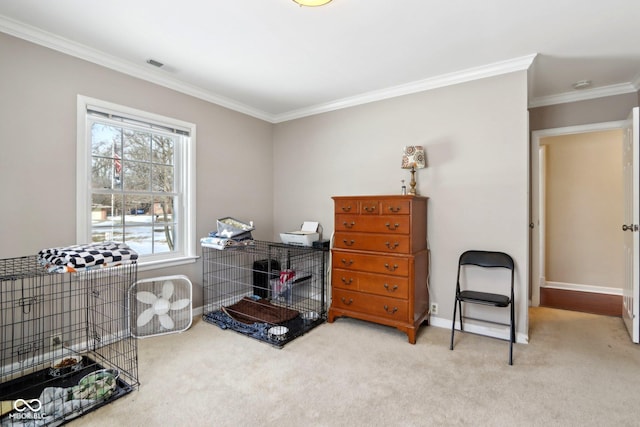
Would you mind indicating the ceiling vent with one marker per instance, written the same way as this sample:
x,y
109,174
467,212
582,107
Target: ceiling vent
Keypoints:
x,y
154,63
582,84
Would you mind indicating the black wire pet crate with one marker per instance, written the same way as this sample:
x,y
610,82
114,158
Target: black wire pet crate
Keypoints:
x,y
66,348
269,291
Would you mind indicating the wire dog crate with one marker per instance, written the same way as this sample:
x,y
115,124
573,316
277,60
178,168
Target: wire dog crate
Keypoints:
x,y
65,345
269,291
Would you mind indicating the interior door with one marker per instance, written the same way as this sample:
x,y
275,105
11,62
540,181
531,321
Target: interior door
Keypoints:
x,y
631,293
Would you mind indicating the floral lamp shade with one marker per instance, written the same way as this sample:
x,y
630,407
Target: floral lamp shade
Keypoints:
x,y
413,157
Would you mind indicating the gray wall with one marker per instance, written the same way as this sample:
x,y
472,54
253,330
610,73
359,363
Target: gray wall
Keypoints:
x,y
39,88
475,136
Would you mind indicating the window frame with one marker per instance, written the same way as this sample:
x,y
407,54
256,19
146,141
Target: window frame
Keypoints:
x,y
184,169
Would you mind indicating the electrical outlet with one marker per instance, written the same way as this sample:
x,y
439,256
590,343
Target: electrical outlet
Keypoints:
x,y
434,308
55,342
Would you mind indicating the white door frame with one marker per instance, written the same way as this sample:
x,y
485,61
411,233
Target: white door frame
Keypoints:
x,y
537,196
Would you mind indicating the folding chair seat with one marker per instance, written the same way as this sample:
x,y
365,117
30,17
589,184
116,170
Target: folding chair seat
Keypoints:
x,y
471,295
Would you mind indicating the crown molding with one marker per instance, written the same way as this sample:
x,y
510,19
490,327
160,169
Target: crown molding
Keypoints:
x,y
66,46
476,73
60,44
69,47
586,94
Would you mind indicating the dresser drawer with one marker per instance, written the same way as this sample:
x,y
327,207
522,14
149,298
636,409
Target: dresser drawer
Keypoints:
x,y
396,266
395,207
370,207
379,284
373,224
372,242
389,308
348,206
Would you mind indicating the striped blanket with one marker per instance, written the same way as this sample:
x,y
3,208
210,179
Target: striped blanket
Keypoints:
x,y
76,258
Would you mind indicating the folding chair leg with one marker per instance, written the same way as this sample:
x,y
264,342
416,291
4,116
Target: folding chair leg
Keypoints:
x,y
453,323
511,353
513,335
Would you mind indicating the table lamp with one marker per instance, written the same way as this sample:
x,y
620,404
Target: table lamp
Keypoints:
x,y
413,158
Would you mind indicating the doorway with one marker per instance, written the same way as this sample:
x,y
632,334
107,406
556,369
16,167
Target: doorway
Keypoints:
x,y
576,263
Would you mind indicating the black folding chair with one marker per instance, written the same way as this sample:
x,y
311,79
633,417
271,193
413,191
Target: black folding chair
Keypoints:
x,y
485,259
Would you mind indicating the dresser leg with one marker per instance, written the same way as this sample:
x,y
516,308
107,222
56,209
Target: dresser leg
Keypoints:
x,y
411,334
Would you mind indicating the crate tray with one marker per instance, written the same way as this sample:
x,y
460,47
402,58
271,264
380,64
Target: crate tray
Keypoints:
x,y
31,386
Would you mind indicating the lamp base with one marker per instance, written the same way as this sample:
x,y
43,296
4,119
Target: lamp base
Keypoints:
x,y
412,184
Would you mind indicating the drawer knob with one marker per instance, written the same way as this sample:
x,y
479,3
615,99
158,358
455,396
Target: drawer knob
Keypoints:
x,y
347,263
392,245
346,208
391,268
392,227
370,209
348,225
345,302
348,242
392,311
395,288
347,281
395,210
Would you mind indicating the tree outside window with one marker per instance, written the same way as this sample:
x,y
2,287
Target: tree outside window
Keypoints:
x,y
133,184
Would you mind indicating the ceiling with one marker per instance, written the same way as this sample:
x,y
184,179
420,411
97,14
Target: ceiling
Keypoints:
x,y
275,60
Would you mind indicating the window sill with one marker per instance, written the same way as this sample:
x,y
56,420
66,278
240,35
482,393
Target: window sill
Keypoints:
x,y
165,263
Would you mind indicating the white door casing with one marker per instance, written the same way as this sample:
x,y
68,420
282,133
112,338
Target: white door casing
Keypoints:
x,y
537,193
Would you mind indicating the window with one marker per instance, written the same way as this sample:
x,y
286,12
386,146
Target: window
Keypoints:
x,y
136,181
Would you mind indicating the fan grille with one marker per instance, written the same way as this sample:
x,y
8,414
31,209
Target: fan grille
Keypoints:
x,y
160,305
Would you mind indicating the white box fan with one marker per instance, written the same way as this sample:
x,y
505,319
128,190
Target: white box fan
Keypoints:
x,y
160,306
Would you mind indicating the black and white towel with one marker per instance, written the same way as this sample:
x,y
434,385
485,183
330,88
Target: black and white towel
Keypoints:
x,y
83,257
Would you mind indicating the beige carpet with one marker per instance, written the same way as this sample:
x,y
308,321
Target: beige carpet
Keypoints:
x,y
578,370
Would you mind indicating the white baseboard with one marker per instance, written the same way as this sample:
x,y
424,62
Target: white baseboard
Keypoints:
x,y
438,322
582,288
490,331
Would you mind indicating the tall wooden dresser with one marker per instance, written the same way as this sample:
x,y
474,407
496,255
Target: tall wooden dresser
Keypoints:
x,y
380,261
